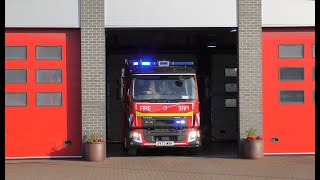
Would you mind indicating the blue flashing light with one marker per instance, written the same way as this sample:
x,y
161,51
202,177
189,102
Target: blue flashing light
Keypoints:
x,y
145,63
178,122
160,63
146,59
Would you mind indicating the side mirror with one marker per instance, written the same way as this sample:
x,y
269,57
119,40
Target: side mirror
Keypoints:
x,y
118,93
201,77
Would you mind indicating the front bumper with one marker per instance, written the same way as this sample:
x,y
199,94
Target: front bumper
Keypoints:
x,y
132,143
150,139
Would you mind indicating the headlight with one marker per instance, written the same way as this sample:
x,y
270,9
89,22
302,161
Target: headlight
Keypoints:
x,y
193,135
136,136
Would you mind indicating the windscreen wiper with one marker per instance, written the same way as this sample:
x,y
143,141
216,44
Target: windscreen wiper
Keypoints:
x,y
179,100
159,100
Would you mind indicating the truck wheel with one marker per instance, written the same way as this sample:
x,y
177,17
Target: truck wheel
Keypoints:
x,y
125,145
192,151
132,151
195,151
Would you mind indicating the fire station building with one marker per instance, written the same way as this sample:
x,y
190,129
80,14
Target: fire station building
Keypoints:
x,y
255,60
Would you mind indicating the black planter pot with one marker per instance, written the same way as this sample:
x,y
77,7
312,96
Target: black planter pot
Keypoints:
x,y
253,149
95,151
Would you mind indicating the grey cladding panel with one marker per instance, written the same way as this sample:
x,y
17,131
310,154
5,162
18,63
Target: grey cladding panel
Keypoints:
x,y
231,87
230,72
49,99
313,73
16,99
15,76
49,75
230,102
48,52
291,96
291,50
313,51
16,52
291,74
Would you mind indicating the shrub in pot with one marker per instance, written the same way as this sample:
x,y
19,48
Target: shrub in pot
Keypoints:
x,y
253,145
95,148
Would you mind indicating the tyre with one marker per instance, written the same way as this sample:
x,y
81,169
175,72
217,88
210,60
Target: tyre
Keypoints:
x,y
192,151
132,151
125,144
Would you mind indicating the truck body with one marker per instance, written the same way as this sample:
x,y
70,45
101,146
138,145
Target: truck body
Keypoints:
x,y
160,106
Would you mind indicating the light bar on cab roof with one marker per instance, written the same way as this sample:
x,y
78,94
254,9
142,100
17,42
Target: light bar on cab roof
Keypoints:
x,y
161,63
181,63
145,63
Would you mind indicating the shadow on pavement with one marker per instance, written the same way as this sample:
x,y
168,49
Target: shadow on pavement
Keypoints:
x,y
210,150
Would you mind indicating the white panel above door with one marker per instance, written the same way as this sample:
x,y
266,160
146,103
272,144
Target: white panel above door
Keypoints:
x,y
288,13
170,13
42,13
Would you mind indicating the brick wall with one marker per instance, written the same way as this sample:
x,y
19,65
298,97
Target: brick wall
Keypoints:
x,y
250,66
93,81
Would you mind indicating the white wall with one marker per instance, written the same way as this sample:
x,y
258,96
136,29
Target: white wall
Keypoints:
x,y
157,13
42,13
171,13
288,13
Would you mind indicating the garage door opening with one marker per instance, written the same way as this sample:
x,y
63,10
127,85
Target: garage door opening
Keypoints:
x,y
213,50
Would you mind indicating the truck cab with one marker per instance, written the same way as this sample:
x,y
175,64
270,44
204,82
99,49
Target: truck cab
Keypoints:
x,y
160,106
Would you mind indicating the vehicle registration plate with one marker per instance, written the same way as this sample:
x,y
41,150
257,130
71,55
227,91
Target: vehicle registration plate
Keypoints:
x,y
164,143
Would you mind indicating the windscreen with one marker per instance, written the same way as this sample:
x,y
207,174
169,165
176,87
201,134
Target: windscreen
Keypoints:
x,y
164,87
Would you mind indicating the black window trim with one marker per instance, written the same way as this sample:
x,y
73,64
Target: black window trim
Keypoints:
x,y
279,96
48,82
26,55
26,95
290,57
291,67
48,46
26,71
48,105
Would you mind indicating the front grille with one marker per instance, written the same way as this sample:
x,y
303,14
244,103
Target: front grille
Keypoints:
x,y
164,135
164,122
165,138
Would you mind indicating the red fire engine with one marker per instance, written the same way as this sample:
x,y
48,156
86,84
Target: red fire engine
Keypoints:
x,y
160,106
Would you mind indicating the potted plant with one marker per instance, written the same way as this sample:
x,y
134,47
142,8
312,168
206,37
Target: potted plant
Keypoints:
x,y
95,148
253,145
